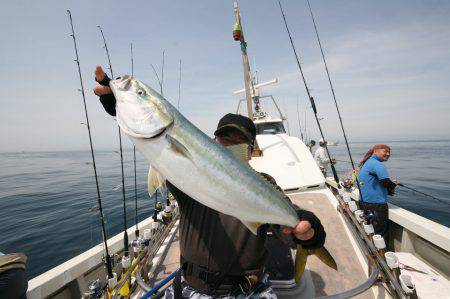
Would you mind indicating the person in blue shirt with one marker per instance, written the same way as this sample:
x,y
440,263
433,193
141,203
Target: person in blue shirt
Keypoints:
x,y
376,185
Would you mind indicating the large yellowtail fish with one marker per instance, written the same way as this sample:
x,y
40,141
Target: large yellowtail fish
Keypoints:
x,y
189,159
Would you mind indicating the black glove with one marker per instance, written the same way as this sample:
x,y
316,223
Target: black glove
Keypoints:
x,y
108,100
318,239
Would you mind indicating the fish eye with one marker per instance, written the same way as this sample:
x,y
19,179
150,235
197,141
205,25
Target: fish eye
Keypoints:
x,y
140,92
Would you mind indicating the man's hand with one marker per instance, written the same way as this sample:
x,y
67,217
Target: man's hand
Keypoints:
x,y
302,231
100,90
104,92
308,231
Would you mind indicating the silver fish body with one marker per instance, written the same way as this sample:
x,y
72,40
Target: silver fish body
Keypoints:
x,y
193,162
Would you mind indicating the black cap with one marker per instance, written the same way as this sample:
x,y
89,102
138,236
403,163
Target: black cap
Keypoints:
x,y
238,123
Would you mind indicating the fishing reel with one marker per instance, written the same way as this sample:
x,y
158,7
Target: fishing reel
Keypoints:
x,y
158,207
114,259
369,216
139,244
347,184
167,215
94,290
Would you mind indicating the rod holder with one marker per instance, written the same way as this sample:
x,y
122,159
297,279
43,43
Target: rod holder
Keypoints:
x,y
346,197
368,228
147,234
126,262
112,281
352,206
408,286
359,215
378,241
155,225
392,262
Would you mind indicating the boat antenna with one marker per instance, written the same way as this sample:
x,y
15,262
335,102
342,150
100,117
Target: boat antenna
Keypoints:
x,y
179,87
238,35
298,118
334,97
102,219
125,234
311,99
136,218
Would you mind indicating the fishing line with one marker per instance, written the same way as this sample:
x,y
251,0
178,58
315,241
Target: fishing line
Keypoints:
x,y
77,60
311,99
334,98
136,218
420,192
125,234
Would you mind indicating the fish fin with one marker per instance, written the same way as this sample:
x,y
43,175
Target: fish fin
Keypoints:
x,y
178,147
300,262
325,256
155,181
252,226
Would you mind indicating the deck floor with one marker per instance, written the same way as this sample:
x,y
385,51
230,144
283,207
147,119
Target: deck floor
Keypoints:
x,y
350,273
327,281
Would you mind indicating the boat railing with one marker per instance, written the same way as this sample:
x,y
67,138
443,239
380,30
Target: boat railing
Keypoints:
x,y
261,113
409,232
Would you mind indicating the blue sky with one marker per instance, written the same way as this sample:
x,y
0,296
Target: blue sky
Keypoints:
x,y
389,63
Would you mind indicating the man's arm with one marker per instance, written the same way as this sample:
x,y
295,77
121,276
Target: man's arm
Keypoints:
x,y
389,185
381,173
309,231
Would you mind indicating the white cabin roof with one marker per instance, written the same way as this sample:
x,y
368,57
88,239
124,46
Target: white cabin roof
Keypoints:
x,y
288,161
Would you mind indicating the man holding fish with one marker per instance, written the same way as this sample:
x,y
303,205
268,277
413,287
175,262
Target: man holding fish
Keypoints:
x,y
226,207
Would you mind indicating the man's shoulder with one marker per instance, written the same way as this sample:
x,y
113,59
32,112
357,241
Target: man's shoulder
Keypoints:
x,y
377,164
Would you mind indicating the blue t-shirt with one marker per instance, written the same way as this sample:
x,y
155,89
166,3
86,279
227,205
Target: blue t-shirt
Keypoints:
x,y
369,177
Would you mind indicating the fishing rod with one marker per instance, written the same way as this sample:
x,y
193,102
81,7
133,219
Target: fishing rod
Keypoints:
x,y
102,220
299,125
136,231
306,132
334,98
311,99
125,234
162,73
160,82
420,192
179,88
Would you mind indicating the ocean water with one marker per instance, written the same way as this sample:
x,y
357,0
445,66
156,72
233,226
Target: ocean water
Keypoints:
x,y
48,199
48,203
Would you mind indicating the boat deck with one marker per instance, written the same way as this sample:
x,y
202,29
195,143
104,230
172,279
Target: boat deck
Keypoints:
x,y
326,281
350,273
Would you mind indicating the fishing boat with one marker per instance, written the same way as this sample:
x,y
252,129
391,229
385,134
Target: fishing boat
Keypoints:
x,y
413,262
